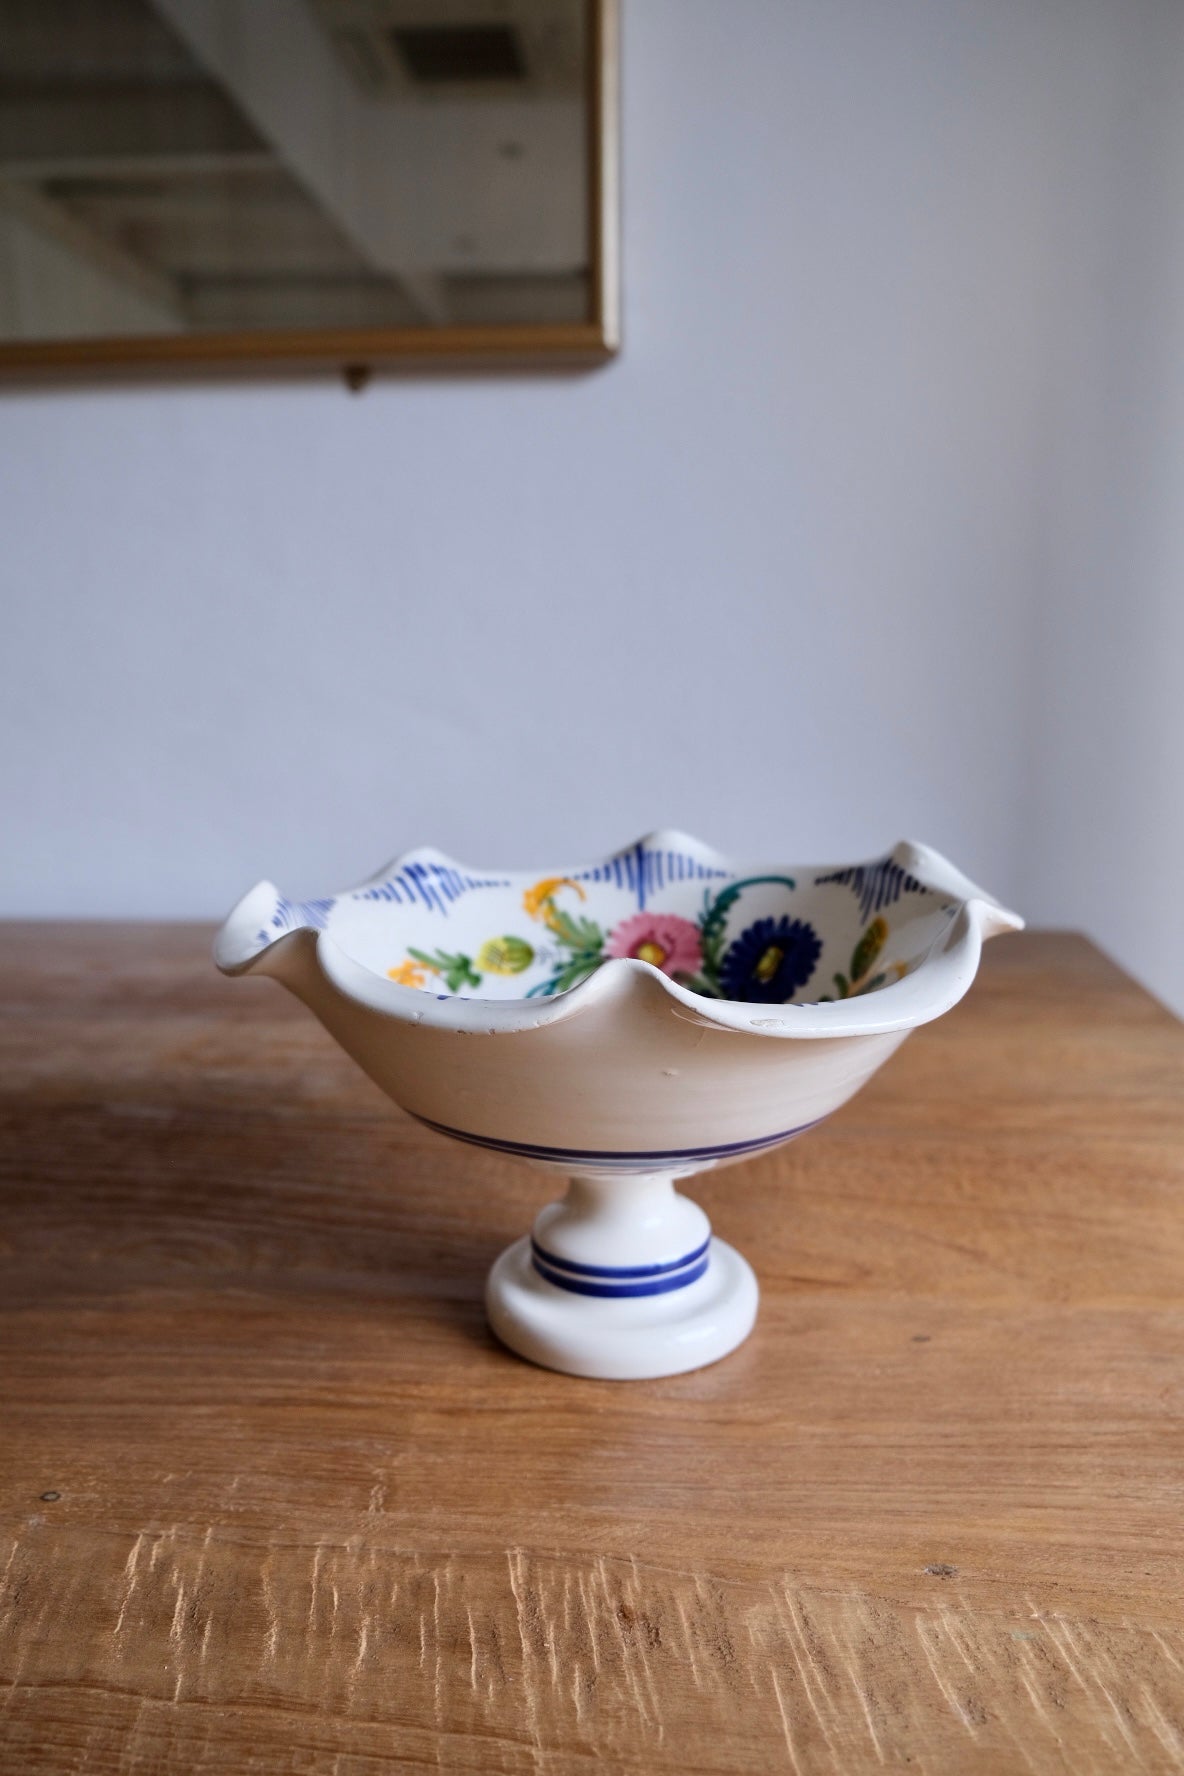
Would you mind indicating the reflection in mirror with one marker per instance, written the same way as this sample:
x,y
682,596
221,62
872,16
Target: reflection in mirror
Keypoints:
x,y
189,169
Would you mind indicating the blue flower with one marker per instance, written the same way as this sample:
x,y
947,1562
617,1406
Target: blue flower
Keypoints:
x,y
770,961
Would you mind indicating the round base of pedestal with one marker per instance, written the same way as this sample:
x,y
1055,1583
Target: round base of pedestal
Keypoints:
x,y
634,1338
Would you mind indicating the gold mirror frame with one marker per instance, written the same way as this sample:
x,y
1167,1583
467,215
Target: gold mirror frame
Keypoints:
x,y
356,352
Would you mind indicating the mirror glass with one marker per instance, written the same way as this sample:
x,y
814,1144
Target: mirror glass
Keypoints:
x,y
173,168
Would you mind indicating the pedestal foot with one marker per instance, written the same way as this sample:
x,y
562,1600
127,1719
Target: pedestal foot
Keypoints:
x,y
622,1337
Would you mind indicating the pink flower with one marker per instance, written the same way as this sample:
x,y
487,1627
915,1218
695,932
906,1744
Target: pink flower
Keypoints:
x,y
670,943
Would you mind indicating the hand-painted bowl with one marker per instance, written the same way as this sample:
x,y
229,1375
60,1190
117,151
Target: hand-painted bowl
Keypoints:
x,y
626,1023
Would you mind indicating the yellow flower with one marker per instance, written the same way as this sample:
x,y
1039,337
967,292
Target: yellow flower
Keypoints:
x,y
535,899
505,955
408,974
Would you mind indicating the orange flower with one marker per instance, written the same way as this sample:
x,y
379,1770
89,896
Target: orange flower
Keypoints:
x,y
408,974
535,899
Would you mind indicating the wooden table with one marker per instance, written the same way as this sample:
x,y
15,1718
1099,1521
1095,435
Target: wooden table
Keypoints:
x,y
273,1500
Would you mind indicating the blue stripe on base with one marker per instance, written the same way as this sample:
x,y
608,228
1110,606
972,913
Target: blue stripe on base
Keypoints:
x,y
617,1272
659,1285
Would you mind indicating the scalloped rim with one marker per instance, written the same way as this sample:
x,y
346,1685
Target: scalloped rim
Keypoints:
x,y
931,989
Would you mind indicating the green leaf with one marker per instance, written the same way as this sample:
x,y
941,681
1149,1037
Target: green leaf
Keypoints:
x,y
868,948
461,973
457,970
843,986
577,934
562,926
578,969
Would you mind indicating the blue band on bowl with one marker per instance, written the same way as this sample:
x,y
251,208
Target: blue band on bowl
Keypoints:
x,y
607,1158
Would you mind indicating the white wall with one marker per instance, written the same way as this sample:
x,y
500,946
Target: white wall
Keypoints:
x,y
778,575
1107,820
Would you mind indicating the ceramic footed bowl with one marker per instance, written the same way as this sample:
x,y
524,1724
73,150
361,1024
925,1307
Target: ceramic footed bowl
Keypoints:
x,y
625,1023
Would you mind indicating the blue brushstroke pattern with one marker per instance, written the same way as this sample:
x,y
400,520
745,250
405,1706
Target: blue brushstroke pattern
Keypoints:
x,y
644,872
877,885
295,915
433,885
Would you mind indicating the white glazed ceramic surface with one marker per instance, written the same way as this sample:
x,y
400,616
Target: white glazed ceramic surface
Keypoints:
x,y
627,1023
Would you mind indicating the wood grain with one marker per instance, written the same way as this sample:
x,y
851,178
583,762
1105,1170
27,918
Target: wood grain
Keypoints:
x,y
271,1499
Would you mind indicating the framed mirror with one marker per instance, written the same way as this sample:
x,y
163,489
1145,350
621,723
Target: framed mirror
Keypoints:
x,y
345,184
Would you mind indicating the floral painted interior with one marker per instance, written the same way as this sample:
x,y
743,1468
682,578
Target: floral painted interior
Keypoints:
x,y
773,936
